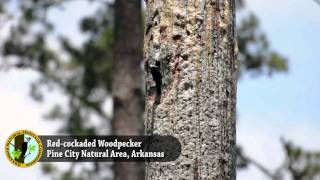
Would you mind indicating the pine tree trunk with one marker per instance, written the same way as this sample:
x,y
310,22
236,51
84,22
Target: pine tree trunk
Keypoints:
x,y
127,81
190,71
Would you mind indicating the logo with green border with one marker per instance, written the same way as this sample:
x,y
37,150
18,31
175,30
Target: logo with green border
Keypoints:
x,y
23,148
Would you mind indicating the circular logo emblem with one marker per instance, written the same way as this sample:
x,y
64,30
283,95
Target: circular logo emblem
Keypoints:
x,y
23,148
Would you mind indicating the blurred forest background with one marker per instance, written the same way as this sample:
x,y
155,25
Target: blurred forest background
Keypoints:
x,y
86,75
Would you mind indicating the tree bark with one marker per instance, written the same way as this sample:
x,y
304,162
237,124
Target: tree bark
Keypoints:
x,y
127,81
190,73
18,141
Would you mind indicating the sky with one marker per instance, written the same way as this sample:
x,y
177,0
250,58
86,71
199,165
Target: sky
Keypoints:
x,y
284,105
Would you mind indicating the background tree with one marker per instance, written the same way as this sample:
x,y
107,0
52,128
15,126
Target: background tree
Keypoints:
x,y
127,81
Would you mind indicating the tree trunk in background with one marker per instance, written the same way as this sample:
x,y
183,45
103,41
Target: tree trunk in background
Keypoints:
x,y
190,74
18,141
127,81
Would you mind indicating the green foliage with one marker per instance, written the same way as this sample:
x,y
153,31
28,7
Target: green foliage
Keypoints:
x,y
89,24
16,153
255,55
32,148
48,168
1,8
302,164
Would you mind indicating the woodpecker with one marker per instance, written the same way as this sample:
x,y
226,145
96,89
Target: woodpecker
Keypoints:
x,y
157,77
24,147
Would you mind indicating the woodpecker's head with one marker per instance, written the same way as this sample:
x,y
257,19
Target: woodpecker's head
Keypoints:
x,y
28,139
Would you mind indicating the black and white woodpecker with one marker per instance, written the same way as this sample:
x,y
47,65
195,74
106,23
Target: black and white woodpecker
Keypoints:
x,y
24,146
157,77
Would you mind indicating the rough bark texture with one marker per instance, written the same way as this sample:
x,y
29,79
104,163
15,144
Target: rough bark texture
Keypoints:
x,y
127,81
190,62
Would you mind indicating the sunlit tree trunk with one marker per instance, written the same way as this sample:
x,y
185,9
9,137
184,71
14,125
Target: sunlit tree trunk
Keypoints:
x,y
127,80
190,71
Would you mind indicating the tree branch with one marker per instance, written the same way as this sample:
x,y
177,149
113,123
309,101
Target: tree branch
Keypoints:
x,y
260,167
27,154
12,144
